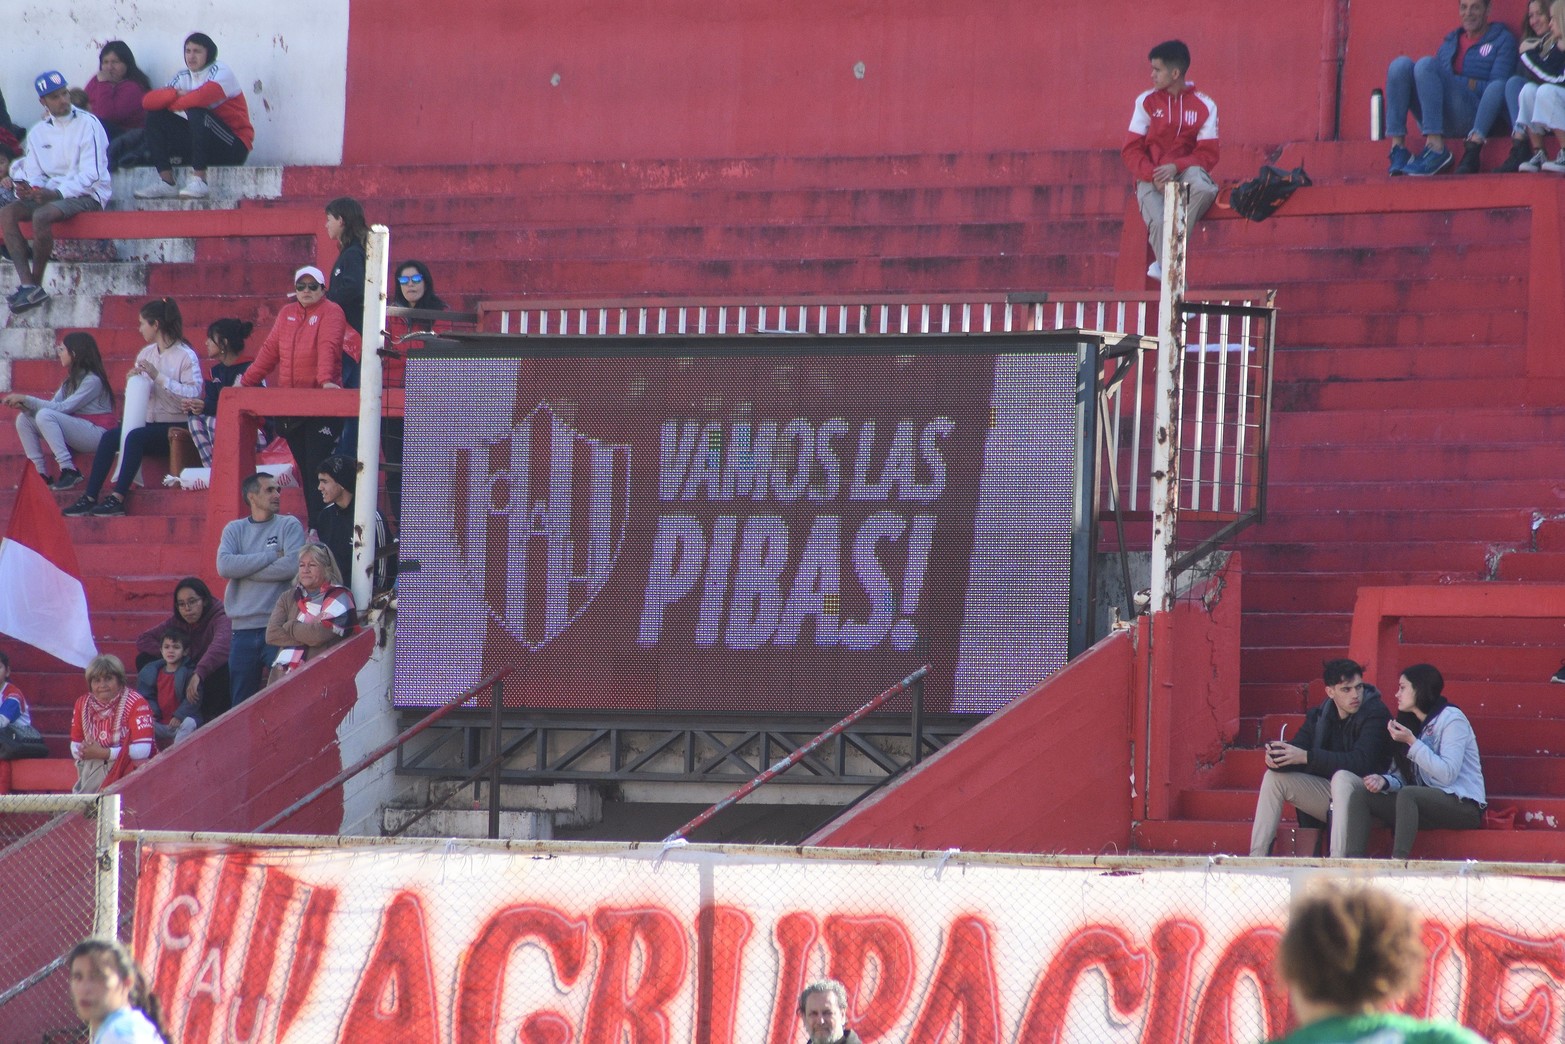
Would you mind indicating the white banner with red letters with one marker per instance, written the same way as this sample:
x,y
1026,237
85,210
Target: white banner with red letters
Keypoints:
x,y
578,945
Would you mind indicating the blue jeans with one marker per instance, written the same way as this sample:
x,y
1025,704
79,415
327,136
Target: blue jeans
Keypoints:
x,y
1442,103
248,658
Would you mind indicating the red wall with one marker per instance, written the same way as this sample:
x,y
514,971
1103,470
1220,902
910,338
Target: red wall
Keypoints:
x,y
433,82
1052,772
259,758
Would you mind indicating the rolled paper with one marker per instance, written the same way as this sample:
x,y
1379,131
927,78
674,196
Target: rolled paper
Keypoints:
x,y
138,394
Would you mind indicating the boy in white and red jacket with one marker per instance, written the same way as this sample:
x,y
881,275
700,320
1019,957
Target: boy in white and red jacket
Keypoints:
x,y
1173,138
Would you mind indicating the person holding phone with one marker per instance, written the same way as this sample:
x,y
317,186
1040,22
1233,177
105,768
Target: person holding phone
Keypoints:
x,y
1345,734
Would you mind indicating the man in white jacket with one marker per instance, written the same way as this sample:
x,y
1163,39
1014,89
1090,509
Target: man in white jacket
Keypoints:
x,y
64,172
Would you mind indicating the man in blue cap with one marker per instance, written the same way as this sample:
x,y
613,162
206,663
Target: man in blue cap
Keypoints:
x,y
64,172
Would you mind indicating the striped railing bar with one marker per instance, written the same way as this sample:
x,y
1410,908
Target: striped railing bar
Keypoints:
x,y
1198,407
1244,408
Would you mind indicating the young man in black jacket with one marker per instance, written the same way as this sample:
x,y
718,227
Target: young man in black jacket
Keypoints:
x,y
1346,733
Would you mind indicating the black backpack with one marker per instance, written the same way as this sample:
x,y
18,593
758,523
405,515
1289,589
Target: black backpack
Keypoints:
x,y
1259,198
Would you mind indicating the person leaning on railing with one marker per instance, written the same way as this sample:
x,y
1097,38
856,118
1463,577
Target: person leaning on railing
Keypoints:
x,y
414,288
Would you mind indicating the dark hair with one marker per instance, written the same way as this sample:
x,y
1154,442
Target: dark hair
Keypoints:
x,y
355,229
1428,685
141,996
1172,53
165,313
85,359
5,661
198,585
230,335
177,634
1335,672
249,486
1351,946
121,50
205,41
430,300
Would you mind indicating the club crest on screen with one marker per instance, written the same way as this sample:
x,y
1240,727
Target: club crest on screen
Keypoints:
x,y
540,518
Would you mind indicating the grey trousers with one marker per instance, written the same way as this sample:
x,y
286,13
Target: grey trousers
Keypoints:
x,y
1203,190
62,432
1403,810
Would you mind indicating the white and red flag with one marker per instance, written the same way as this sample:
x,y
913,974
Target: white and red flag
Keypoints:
x,y
42,601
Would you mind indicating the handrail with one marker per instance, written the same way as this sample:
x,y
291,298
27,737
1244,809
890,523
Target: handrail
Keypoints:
x,y
799,755
494,681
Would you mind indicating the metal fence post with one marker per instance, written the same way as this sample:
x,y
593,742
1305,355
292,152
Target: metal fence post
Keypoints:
x,y
918,720
106,869
1165,425
496,698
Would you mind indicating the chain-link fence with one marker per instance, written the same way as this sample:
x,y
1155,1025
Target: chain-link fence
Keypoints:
x,y
317,939
56,882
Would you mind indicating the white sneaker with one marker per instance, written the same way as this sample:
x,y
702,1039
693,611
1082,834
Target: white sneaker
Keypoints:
x,y
195,188
1534,164
159,189
1557,164
1155,270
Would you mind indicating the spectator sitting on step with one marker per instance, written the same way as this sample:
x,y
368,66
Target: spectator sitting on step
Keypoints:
x,y
1542,62
304,350
1548,109
166,683
225,343
111,727
337,479
259,554
13,705
1448,90
175,372
1343,737
312,617
74,419
63,172
115,93
1437,781
209,636
202,117
1172,140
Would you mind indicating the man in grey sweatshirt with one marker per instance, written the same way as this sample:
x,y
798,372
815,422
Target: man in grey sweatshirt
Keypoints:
x,y
259,554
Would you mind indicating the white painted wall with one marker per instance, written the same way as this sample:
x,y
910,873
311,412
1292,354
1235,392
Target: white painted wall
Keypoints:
x,y
290,55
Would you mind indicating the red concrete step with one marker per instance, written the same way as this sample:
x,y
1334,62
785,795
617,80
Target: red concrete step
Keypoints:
x,y
732,239
967,168
1458,663
1241,769
1331,525
1309,592
1306,491
1209,837
1415,425
1492,631
1415,229
1372,362
1434,296
1318,630
1485,326
1454,394
1447,555
1540,566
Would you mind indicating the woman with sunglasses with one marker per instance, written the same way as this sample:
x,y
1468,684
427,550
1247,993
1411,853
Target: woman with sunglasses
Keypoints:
x,y
414,288
304,350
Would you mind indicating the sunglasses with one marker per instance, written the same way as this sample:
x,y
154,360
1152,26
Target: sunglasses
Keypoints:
x,y
414,278
311,287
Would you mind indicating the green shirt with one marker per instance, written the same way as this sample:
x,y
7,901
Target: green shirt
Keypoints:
x,y
1381,1028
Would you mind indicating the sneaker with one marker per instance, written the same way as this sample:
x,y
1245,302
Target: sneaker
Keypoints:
x,y
1535,164
195,188
1520,152
1472,151
84,506
1556,165
1559,676
27,297
1399,159
113,506
1429,163
1155,270
159,189
68,478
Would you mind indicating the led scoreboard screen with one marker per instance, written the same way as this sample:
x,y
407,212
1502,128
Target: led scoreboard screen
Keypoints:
x,y
749,526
